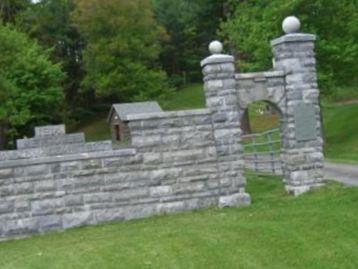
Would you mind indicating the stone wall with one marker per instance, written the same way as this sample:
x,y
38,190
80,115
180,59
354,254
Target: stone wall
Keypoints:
x,y
261,86
177,161
292,88
171,166
302,142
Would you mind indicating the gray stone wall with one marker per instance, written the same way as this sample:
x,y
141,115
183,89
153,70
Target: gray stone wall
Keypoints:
x,y
59,192
189,140
292,88
177,161
261,86
222,100
172,165
302,142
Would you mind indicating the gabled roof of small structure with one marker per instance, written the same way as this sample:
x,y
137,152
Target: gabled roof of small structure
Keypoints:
x,y
125,109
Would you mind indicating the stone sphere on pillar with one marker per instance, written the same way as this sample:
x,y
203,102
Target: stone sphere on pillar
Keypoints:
x,y
291,25
216,47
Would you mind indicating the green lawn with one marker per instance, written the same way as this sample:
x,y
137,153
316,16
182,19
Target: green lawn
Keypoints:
x,y
259,121
95,128
98,129
341,132
344,94
189,97
315,230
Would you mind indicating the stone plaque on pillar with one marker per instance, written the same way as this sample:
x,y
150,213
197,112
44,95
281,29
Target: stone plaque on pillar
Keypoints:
x,y
305,122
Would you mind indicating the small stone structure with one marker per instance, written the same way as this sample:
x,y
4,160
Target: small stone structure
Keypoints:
x,y
119,128
177,161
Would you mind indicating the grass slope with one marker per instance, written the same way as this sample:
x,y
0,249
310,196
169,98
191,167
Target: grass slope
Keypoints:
x,y
341,132
316,230
190,97
97,129
93,124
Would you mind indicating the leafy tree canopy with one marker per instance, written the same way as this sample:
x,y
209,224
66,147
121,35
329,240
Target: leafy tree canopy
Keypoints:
x,y
30,91
253,24
49,22
122,48
191,25
9,9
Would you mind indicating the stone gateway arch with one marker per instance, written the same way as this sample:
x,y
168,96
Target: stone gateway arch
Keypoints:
x,y
175,161
291,86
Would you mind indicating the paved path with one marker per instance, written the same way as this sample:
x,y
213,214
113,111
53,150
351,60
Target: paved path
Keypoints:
x,y
345,173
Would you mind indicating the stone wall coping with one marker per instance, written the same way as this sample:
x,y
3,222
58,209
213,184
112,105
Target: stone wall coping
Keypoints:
x,y
25,143
253,75
70,157
217,59
293,38
167,114
17,154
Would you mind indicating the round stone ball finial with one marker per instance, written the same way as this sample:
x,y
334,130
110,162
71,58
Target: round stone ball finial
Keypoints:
x,y
291,25
216,47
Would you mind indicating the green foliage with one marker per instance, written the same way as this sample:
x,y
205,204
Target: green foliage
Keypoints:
x,y
253,24
10,8
343,94
49,22
191,25
30,91
123,45
278,231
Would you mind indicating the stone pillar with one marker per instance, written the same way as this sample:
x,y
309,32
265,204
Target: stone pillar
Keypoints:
x,y
221,99
302,142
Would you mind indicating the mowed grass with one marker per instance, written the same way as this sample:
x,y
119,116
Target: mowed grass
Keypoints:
x,y
278,231
96,129
260,120
341,132
189,97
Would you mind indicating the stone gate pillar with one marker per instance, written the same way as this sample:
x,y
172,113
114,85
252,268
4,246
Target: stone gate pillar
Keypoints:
x,y
302,142
221,99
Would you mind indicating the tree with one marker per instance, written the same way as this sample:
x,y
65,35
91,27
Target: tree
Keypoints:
x,y
30,92
49,22
191,25
122,49
9,9
254,23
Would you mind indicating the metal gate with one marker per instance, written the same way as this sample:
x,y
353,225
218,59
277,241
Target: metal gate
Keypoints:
x,y
262,152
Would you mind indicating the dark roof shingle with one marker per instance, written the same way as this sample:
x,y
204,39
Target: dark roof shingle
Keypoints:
x,y
125,109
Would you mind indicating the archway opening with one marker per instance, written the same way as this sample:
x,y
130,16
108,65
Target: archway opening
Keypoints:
x,y
261,126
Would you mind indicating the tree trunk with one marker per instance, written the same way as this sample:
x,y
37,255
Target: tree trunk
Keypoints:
x,y
3,138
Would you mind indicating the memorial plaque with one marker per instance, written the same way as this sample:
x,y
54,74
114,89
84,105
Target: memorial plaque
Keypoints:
x,y
305,122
